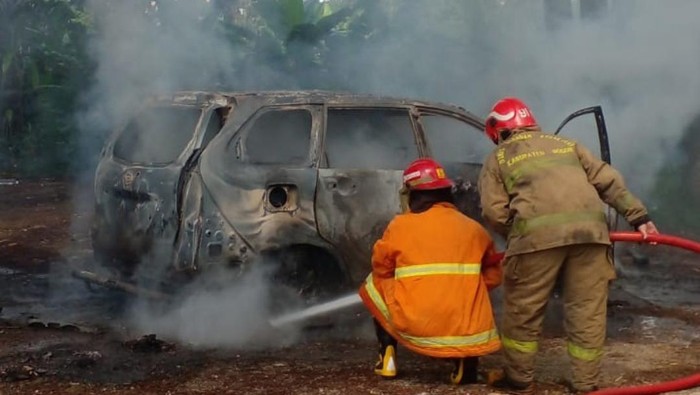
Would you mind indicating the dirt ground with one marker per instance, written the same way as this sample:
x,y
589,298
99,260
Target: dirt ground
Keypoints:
x,y
654,326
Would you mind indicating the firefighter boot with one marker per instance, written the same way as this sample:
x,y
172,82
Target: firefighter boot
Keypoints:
x,y
464,371
386,366
499,379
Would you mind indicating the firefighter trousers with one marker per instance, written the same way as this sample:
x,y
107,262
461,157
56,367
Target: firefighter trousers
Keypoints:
x,y
585,271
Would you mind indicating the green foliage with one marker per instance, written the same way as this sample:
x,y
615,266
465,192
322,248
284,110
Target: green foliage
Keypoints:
x,y
302,39
43,64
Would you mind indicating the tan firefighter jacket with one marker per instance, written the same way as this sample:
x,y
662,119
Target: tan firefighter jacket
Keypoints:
x,y
543,191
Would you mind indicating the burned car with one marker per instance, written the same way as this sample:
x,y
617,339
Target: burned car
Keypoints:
x,y
308,179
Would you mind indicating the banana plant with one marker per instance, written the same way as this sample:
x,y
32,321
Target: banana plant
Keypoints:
x,y
297,36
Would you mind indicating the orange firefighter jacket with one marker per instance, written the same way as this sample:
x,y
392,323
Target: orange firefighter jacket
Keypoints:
x,y
428,287
543,191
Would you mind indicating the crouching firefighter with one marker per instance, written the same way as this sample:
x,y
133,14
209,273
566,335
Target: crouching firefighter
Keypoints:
x,y
428,288
543,193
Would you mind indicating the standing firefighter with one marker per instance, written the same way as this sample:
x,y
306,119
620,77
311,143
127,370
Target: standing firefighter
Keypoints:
x,y
429,288
543,193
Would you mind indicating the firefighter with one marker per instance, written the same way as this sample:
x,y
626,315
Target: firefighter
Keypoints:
x,y
428,289
543,194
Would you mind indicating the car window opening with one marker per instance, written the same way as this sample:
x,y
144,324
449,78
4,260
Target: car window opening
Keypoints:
x,y
280,137
452,140
369,139
157,135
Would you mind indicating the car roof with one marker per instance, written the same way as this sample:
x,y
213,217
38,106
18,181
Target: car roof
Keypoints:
x,y
204,98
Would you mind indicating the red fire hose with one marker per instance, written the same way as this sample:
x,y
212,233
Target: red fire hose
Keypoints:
x,y
674,241
636,237
691,381
684,383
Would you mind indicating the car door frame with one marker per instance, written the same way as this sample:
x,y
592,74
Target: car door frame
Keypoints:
x,y
241,194
346,231
155,199
603,140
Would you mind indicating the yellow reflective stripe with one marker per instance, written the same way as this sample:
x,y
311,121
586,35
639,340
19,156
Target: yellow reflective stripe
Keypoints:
x,y
376,297
437,268
453,341
537,164
518,345
523,226
584,354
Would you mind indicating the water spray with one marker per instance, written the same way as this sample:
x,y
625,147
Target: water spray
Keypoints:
x,y
317,310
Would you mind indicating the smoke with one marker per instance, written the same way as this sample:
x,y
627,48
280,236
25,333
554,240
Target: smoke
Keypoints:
x,y
637,58
221,309
142,50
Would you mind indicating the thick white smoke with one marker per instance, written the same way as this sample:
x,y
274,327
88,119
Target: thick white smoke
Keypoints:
x,y
144,49
639,62
638,59
221,309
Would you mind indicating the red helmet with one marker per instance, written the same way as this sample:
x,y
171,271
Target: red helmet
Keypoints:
x,y
425,174
508,113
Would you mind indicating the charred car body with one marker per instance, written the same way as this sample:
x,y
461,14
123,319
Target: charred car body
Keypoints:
x,y
199,180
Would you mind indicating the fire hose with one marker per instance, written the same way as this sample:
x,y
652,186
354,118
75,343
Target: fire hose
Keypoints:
x,y
636,237
683,383
633,237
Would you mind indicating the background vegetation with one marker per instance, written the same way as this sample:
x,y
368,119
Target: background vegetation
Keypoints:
x,y
43,65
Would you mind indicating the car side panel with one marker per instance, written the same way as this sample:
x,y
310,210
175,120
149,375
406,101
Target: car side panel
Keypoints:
x,y
353,207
